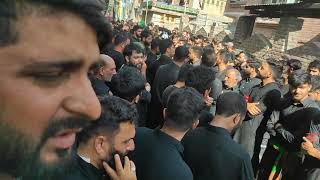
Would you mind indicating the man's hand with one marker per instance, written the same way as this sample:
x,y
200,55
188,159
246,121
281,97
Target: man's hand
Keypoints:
x,y
308,148
253,109
207,99
126,172
148,87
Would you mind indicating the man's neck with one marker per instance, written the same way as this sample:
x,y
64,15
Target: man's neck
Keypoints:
x,y
219,121
166,54
253,75
84,152
222,67
180,84
153,51
118,49
179,63
267,81
175,134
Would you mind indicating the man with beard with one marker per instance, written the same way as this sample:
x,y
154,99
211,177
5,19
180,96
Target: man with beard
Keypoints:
x,y
210,151
262,101
103,72
314,68
106,142
146,38
158,153
288,125
134,57
251,80
46,50
136,33
231,81
195,54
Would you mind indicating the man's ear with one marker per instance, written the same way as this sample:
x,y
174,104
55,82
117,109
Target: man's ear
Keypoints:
x,y
164,113
195,124
236,118
100,144
101,71
136,99
127,59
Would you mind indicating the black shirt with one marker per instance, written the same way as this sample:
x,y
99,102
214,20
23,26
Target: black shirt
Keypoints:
x,y
212,154
117,57
99,86
247,84
156,65
158,156
83,170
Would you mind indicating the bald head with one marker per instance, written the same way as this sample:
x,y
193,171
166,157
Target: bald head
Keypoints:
x,y
232,78
109,68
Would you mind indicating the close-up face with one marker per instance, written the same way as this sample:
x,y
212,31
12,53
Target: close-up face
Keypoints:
x,y
191,54
109,70
264,70
138,32
247,69
301,92
171,50
136,59
230,79
314,71
148,40
45,91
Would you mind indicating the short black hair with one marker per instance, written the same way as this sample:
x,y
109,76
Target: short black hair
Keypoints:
x,y
231,103
225,56
120,38
183,72
128,50
254,64
197,50
164,44
128,83
276,68
294,64
315,81
298,78
314,64
145,34
114,112
200,78
136,27
208,58
181,53
183,108
155,43
90,11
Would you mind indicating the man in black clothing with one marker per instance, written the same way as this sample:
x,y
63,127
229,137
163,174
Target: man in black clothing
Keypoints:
x,y
167,51
288,125
136,33
210,151
105,140
103,72
195,55
263,100
146,39
121,40
231,81
158,153
134,56
152,54
130,84
251,80
165,76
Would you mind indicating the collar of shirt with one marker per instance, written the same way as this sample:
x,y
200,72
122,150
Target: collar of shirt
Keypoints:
x,y
219,130
89,169
307,101
233,88
168,139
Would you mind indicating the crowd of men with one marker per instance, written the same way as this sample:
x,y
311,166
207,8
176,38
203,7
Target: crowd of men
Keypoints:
x,y
82,98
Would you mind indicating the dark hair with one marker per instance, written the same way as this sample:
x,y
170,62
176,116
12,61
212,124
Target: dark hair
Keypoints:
x,y
128,50
208,58
254,64
145,34
197,50
315,81
231,103
183,73
225,56
298,78
181,53
114,112
164,44
136,27
276,68
127,83
294,64
200,78
314,64
89,11
120,38
183,108
155,43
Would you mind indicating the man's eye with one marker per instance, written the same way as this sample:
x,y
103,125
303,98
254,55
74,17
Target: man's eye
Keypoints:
x,y
50,77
